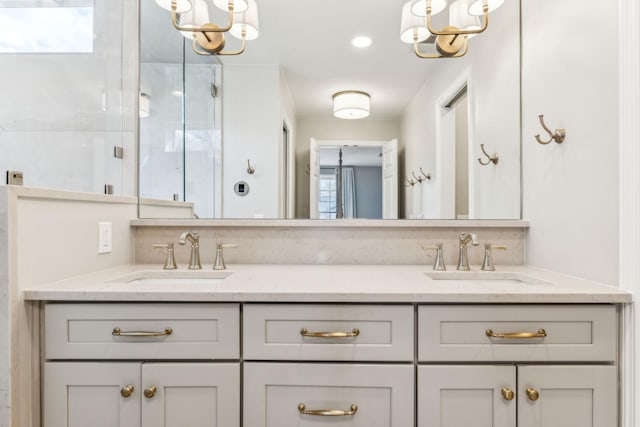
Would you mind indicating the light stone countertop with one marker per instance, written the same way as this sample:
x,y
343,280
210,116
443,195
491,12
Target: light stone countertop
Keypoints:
x,y
327,283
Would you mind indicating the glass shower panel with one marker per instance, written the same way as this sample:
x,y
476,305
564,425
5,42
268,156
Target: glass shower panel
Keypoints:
x,y
65,101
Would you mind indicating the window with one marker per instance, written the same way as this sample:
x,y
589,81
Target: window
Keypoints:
x,y
28,28
327,205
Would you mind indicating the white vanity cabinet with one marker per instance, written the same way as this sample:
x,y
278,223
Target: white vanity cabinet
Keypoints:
x,y
366,378
149,365
572,384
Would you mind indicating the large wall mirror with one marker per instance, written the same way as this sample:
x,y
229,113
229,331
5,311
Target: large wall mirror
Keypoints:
x,y
254,135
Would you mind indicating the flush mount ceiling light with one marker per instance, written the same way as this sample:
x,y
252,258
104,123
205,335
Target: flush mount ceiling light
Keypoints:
x,y
452,40
351,104
208,38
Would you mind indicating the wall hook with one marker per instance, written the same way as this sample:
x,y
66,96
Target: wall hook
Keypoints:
x,y
308,169
557,136
250,169
491,159
425,175
410,182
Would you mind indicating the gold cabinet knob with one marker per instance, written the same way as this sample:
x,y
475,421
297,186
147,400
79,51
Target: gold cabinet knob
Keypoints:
x,y
149,392
532,394
507,393
126,391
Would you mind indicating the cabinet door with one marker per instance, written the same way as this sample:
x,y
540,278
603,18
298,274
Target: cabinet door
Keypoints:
x,y
91,394
191,395
567,396
455,396
324,395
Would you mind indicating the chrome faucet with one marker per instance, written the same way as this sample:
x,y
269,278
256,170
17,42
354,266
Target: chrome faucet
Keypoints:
x,y
194,239
170,260
465,239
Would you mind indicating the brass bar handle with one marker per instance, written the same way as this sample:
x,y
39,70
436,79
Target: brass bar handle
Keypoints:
x,y
532,394
327,412
507,393
305,333
149,392
117,332
517,335
127,391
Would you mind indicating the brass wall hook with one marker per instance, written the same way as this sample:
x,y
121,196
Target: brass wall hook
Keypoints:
x,y
490,159
557,136
426,176
250,169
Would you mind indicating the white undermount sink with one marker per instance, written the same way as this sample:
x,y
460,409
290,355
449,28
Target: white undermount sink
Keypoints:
x,y
484,277
173,277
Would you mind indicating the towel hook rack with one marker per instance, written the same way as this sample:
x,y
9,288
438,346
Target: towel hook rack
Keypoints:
x,y
557,136
425,175
410,182
490,159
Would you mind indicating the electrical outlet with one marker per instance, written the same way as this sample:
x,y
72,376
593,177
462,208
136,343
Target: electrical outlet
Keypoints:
x,y
104,237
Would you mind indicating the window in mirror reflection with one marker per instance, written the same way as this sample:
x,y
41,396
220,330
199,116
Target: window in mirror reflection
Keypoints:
x,y
328,193
29,28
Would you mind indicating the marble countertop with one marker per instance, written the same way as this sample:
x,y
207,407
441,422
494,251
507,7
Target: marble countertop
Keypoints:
x,y
328,283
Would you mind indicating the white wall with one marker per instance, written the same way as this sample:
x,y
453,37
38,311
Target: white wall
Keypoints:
x,y
62,114
333,129
570,190
252,129
45,236
492,65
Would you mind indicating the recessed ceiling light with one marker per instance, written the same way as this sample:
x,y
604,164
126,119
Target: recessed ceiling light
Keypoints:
x,y
361,42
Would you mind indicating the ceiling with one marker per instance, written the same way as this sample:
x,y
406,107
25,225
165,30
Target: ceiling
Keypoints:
x,y
311,40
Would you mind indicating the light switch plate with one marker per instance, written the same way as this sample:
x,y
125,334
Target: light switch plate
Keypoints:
x,y
104,237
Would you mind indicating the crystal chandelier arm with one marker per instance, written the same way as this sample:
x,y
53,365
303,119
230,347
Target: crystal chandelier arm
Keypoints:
x,y
419,54
174,20
485,14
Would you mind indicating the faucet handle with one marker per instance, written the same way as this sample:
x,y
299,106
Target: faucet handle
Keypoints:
x,y
487,262
438,264
170,260
219,264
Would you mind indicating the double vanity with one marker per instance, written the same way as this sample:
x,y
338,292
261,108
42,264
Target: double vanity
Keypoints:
x,y
321,345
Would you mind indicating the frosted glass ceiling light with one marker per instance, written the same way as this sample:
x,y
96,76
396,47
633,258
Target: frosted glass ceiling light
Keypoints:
x,y
247,20
412,24
419,7
182,6
459,17
476,8
238,5
351,104
197,16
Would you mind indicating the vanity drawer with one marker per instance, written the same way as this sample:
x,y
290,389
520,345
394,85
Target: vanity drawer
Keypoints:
x,y
369,395
573,333
184,331
328,332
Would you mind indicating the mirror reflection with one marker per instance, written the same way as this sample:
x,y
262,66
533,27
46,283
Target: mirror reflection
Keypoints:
x,y
274,107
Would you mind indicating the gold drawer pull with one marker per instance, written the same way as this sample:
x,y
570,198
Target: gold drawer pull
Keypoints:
x,y
117,332
327,412
126,391
305,333
517,335
532,394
